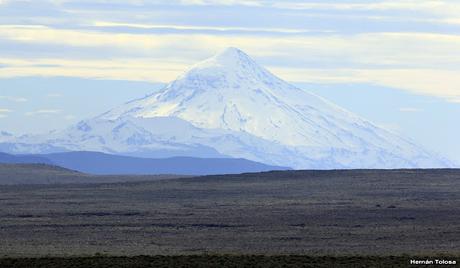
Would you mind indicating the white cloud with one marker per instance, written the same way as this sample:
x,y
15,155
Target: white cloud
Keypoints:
x,y
424,63
12,98
439,83
439,7
374,5
4,112
46,35
205,28
153,70
43,112
416,49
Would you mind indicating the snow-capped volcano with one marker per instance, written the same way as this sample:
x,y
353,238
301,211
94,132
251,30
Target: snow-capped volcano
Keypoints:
x,y
229,105
230,91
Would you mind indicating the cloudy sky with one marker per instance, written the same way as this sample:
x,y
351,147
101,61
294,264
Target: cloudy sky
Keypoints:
x,y
394,62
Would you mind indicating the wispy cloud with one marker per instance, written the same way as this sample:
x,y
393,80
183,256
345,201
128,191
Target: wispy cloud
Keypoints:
x,y
4,112
13,98
43,112
207,29
408,44
440,83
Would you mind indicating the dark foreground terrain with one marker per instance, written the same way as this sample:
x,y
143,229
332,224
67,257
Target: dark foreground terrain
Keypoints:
x,y
217,261
314,213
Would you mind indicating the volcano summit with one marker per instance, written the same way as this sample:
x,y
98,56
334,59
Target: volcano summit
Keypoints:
x,y
229,106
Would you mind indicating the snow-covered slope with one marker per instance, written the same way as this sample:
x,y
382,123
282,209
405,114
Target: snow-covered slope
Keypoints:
x,y
231,92
230,106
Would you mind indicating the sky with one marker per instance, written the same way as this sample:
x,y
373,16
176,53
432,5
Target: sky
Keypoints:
x,y
393,62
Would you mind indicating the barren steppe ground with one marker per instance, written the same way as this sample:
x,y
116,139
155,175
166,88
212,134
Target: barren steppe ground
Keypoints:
x,y
315,213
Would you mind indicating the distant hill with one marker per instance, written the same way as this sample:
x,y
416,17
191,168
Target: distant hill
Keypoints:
x,y
106,164
20,174
18,159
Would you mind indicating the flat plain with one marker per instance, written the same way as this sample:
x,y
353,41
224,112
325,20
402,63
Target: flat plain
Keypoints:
x,y
347,212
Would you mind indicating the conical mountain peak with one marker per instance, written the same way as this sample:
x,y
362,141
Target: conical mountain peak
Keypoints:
x,y
229,68
239,109
232,55
229,59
